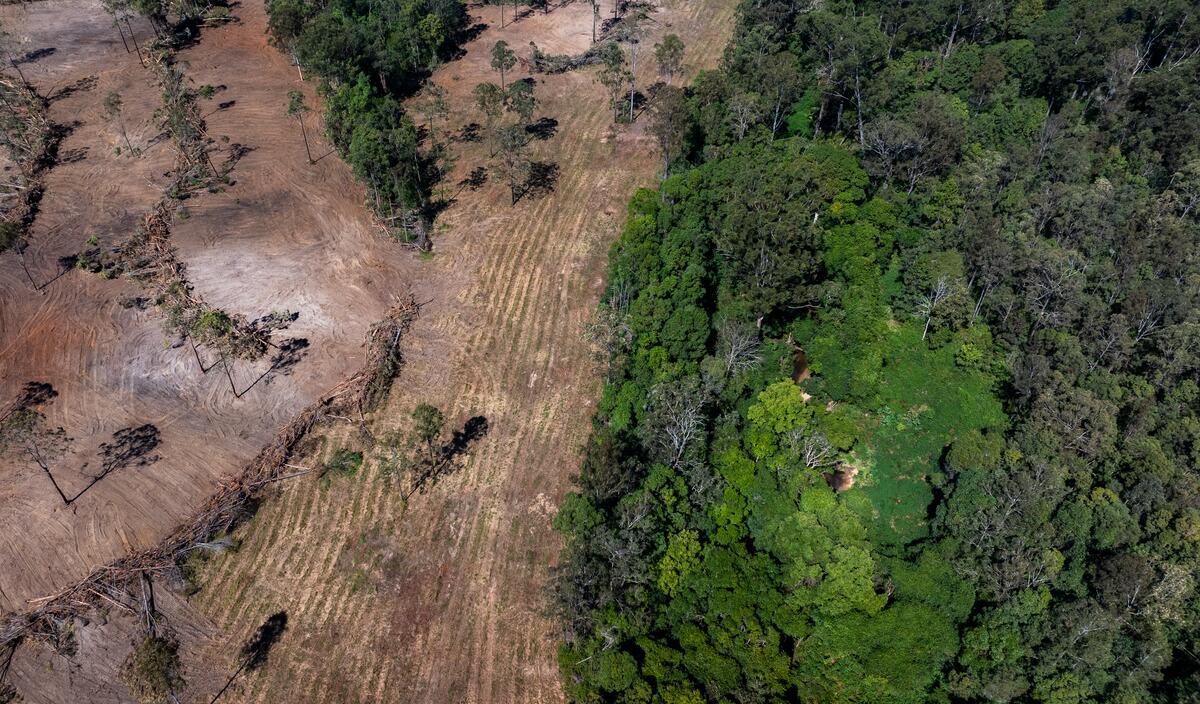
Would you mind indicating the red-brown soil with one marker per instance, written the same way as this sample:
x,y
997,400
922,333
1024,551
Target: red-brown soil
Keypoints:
x,y
284,236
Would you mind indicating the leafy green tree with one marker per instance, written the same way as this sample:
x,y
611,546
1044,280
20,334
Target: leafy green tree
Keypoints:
x,y
286,22
433,107
428,422
514,163
489,98
521,100
503,59
368,56
669,55
615,77
153,671
670,125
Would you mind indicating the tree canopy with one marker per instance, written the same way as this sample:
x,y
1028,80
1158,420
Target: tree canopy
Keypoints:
x,y
901,403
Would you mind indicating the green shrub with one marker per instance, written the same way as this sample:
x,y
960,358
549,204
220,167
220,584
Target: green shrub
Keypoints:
x,y
344,463
212,323
153,672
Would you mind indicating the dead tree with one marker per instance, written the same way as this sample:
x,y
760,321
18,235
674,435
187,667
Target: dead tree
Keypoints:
x,y
676,421
739,347
929,302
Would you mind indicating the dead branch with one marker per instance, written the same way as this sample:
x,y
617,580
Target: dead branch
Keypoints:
x,y
227,507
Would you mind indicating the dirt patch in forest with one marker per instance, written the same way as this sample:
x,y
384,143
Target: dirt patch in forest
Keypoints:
x,y
444,600
842,477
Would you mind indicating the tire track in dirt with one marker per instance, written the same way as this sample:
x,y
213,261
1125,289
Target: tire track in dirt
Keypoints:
x,y
453,609
107,361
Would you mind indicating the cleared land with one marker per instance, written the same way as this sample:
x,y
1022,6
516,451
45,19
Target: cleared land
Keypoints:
x,y
442,600
439,599
283,236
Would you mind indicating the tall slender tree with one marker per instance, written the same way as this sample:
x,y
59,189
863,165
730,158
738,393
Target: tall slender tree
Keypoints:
x,y
631,30
669,55
514,160
670,123
522,101
615,77
112,110
503,58
296,108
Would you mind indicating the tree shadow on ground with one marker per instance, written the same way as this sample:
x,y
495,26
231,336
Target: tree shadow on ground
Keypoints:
x,y
465,37
76,86
287,355
444,463
544,128
543,178
35,55
130,447
470,132
73,156
475,180
221,107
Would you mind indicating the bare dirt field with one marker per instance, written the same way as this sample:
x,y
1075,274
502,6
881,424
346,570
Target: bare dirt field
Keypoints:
x,y
283,236
436,599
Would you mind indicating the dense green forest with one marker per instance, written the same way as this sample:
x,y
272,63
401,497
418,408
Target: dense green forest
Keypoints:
x,y
902,396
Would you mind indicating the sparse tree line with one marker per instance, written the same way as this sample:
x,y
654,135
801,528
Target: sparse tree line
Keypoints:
x,y
507,110
978,224
148,257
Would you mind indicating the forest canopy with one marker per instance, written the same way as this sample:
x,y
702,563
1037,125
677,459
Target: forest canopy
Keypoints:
x,y
904,369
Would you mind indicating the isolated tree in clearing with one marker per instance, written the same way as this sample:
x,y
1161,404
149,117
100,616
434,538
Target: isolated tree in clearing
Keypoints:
x,y
614,78
112,110
296,108
669,55
514,160
427,427
503,58
522,101
631,30
489,98
24,431
153,671
595,17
